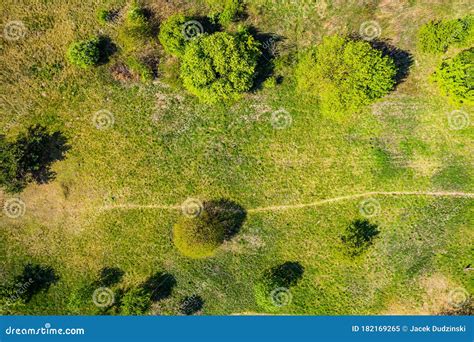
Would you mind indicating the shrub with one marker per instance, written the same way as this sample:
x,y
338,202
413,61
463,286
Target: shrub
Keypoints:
x,y
135,302
84,53
104,15
135,29
139,68
220,66
455,77
275,282
359,236
345,75
198,237
437,36
171,34
225,11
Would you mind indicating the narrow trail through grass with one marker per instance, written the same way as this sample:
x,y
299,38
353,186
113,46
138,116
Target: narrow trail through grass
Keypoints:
x,y
304,205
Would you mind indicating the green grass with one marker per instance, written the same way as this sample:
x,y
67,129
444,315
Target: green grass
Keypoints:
x,y
165,147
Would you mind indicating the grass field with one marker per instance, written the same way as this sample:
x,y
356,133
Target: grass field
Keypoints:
x,y
117,193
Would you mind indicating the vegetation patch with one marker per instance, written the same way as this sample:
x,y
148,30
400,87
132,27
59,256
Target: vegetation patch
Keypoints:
x,y
455,77
344,75
221,66
437,36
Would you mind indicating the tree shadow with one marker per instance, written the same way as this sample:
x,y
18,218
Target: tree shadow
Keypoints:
x,y
463,310
34,279
190,305
269,48
286,274
359,236
160,285
227,213
39,150
403,59
107,48
110,276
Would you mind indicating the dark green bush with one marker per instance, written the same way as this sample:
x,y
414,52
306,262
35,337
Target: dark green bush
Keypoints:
x,y
437,36
359,236
220,66
135,29
135,302
274,280
455,77
171,34
84,53
344,75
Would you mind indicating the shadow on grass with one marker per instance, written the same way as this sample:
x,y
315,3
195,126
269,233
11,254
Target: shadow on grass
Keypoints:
x,y
190,305
228,213
160,286
34,279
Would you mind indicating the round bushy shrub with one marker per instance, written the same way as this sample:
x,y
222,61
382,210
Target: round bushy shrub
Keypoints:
x,y
344,75
84,53
455,77
437,36
200,236
171,34
135,28
136,301
220,66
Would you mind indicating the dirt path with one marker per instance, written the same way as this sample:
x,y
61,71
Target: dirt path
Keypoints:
x,y
305,205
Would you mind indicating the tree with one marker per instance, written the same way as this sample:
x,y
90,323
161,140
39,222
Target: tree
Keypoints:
x,y
455,77
344,75
220,66
199,236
